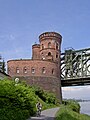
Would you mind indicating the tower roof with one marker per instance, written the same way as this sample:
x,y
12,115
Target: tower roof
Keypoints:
x,y
36,46
48,35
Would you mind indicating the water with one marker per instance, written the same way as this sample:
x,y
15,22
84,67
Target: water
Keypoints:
x,y
85,107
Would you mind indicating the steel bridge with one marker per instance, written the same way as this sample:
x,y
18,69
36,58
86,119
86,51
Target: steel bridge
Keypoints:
x,y
75,67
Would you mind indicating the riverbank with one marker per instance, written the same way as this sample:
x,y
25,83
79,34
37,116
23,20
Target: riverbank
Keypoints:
x,y
71,111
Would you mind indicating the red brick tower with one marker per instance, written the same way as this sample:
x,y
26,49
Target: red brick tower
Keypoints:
x,y
50,45
36,51
44,67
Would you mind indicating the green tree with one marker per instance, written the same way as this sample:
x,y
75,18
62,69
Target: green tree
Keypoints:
x,y
2,64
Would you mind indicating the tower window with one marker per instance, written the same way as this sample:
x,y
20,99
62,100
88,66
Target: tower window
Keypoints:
x,y
57,46
49,45
42,55
17,70
25,70
33,70
56,55
42,46
52,71
49,54
43,70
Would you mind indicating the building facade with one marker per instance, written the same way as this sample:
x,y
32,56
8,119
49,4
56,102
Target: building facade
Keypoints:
x,y
44,67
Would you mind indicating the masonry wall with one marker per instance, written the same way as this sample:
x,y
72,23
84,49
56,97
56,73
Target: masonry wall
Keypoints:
x,y
51,68
50,84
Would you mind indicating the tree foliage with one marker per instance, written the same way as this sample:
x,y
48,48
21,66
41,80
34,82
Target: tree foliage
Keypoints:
x,y
18,101
2,65
16,98
47,97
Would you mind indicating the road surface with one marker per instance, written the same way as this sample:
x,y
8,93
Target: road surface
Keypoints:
x,y
48,114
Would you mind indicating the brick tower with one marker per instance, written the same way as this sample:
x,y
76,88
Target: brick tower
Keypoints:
x,y
50,43
44,67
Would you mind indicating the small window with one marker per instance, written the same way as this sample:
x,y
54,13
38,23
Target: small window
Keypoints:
x,y
42,46
42,55
56,55
57,46
43,58
49,45
33,70
52,71
17,70
43,70
49,54
25,70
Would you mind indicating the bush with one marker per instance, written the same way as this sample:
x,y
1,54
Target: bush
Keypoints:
x,y
47,97
69,111
13,114
72,104
18,100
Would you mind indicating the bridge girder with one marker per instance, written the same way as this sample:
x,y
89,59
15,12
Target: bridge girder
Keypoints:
x,y
75,64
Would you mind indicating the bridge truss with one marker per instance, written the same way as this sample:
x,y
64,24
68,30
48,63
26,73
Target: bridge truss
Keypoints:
x,y
75,64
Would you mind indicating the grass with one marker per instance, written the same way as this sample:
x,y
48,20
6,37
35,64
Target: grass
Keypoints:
x,y
70,112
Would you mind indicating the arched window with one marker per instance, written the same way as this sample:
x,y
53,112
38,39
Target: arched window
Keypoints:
x,y
43,70
52,71
57,55
17,70
49,54
49,45
42,46
33,70
25,70
42,53
42,56
57,46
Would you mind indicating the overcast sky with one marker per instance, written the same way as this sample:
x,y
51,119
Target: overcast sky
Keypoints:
x,y
22,21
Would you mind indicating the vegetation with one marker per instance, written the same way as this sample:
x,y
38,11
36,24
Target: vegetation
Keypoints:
x,y
3,69
47,97
18,101
2,65
70,111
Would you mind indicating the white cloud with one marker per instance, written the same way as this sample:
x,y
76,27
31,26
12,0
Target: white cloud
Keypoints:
x,y
81,92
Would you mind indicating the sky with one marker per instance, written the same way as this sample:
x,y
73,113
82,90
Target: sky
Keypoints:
x,y
22,21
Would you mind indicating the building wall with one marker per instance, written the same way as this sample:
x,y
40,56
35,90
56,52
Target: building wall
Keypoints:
x,y
51,84
50,68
